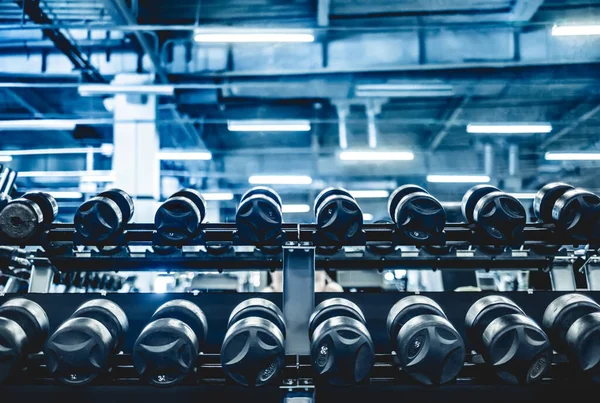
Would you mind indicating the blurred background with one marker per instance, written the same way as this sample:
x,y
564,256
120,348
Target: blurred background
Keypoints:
x,y
152,96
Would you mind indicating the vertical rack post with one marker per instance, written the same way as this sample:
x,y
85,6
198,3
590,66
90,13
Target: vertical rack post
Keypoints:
x,y
562,275
41,278
298,296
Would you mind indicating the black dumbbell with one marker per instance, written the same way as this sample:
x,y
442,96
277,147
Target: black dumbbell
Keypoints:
x,y
499,214
104,215
166,350
341,348
427,346
253,350
23,217
416,213
338,215
258,217
572,322
511,342
80,349
179,218
23,330
573,211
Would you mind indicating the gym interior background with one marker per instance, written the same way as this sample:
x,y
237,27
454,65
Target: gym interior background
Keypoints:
x,y
164,162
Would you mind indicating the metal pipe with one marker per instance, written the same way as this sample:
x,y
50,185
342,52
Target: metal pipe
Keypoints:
x,y
488,159
342,128
513,159
371,127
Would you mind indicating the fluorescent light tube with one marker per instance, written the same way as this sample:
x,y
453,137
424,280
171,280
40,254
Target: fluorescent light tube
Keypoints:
x,y
376,156
458,178
38,124
218,195
111,89
268,125
369,194
522,196
253,36
368,217
5,158
104,149
86,176
560,156
406,90
451,204
62,194
295,208
184,155
509,128
280,180
575,30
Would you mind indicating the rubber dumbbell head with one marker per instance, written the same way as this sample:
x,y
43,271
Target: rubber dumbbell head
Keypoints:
x,y
341,348
23,330
338,215
21,218
544,200
253,350
472,197
103,216
418,214
179,218
258,217
79,350
428,347
511,342
576,212
167,348
572,321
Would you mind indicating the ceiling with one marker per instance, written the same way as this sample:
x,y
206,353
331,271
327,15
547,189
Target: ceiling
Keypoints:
x,y
496,60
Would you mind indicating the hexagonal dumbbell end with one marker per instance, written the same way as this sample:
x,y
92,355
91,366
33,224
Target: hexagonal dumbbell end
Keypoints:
x,y
416,213
428,347
180,217
253,350
167,348
23,330
572,321
21,218
339,217
500,215
341,348
103,216
258,217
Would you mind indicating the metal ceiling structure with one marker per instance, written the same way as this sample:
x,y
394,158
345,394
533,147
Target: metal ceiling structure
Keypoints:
x,y
429,69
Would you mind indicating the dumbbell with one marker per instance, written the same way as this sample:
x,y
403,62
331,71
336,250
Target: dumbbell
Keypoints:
x,y
511,342
23,330
416,213
427,346
573,211
179,218
338,215
80,349
258,217
499,214
104,215
341,348
166,350
253,350
23,217
572,321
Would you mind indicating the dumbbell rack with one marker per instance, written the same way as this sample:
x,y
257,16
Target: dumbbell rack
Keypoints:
x,y
220,249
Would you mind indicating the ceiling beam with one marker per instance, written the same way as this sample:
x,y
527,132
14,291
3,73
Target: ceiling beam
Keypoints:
x,y
24,103
323,7
560,134
451,121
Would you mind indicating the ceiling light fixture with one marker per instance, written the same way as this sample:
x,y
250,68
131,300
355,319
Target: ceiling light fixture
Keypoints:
x,y
38,124
184,156
458,178
252,36
217,196
522,196
106,149
295,208
5,158
280,180
376,156
113,89
268,125
560,156
509,128
367,217
369,194
404,90
575,30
